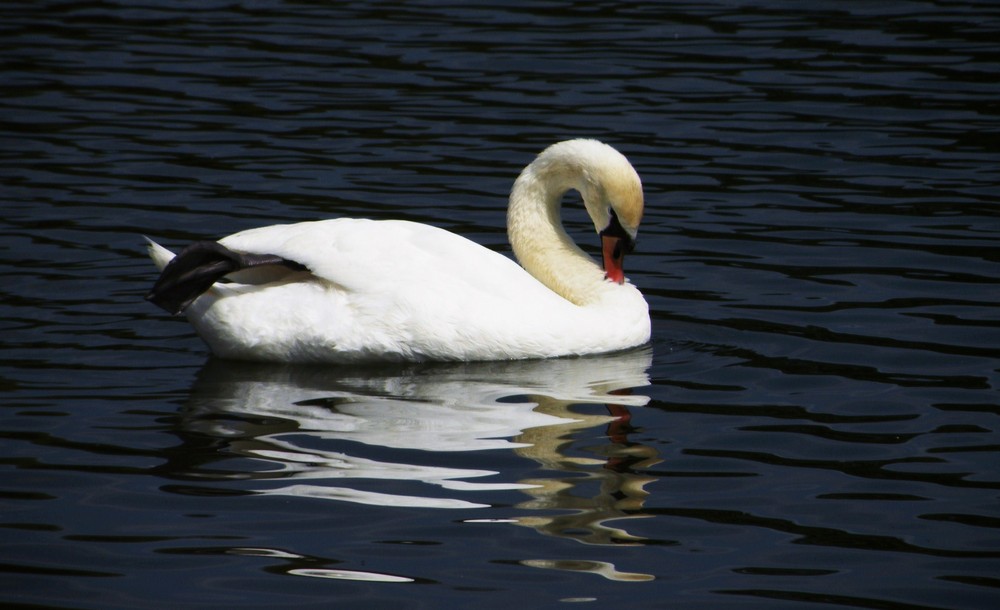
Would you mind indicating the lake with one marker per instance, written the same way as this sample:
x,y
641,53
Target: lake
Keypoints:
x,y
813,425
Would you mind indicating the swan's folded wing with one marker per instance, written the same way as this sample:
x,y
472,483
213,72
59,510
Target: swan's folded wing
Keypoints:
x,y
394,257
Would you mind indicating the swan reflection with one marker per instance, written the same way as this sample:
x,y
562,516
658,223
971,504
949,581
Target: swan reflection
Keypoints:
x,y
378,435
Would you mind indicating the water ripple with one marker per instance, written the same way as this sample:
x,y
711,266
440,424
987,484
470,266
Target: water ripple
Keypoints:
x,y
819,254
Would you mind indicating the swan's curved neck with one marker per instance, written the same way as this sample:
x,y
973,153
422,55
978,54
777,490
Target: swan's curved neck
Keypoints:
x,y
535,231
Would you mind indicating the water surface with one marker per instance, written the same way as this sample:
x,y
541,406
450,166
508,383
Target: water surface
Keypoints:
x,y
813,425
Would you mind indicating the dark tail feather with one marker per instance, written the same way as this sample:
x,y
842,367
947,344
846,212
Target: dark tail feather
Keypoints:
x,y
200,265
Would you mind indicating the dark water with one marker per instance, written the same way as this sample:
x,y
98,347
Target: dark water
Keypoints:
x,y
814,425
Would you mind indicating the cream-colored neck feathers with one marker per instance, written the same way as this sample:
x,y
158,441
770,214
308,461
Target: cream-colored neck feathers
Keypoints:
x,y
604,178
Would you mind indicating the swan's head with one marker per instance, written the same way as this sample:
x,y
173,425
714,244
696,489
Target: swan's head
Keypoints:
x,y
612,194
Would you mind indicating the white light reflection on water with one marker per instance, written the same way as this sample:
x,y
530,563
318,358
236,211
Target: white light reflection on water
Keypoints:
x,y
315,572
348,575
600,568
314,426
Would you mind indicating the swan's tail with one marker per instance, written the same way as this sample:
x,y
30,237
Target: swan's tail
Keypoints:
x,y
188,275
160,255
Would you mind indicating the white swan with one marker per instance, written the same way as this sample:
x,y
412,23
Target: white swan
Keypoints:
x,y
349,290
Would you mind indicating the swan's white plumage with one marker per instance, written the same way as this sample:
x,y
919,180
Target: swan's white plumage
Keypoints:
x,y
399,290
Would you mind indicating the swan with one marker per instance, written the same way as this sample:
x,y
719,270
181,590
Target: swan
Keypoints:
x,y
357,290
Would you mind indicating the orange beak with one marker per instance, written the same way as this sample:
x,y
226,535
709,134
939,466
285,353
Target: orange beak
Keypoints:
x,y
613,250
